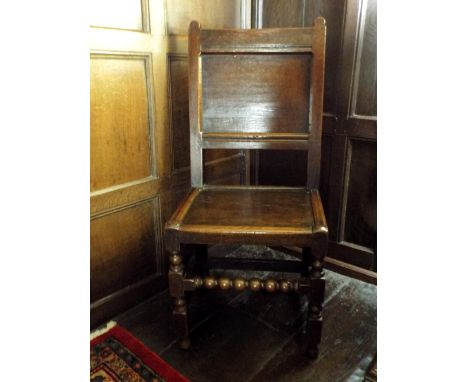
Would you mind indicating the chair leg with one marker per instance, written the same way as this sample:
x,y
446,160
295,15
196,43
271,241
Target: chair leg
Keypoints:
x,y
314,328
179,305
316,297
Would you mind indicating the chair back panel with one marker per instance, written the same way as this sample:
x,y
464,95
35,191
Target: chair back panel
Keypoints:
x,y
255,93
256,89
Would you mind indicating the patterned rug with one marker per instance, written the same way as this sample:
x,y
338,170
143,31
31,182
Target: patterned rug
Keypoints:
x,y
117,356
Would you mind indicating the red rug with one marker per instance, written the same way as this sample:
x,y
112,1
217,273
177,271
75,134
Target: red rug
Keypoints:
x,y
117,356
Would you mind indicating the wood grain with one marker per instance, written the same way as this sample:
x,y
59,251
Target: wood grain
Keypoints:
x,y
333,12
124,248
239,95
250,207
210,13
282,13
120,122
360,220
180,130
366,73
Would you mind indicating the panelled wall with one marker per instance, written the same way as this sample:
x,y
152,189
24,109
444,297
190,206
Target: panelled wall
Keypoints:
x,y
140,139
129,153
348,174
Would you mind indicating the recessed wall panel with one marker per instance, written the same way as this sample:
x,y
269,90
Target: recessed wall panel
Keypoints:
x,y
282,13
119,14
366,98
211,14
361,205
120,121
179,113
333,12
123,248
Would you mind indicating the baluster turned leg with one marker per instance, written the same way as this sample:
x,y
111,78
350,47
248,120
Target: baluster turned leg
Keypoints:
x,y
316,297
179,307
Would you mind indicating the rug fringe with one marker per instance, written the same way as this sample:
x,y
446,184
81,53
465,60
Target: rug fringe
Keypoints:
x,y
103,329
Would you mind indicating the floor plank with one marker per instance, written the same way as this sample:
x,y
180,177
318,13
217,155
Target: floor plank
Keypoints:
x,y
229,346
348,341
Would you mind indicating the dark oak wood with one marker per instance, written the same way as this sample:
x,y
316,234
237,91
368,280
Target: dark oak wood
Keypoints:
x,y
252,89
252,103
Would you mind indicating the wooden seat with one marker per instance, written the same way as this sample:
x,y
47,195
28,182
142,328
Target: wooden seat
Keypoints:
x,y
252,89
221,215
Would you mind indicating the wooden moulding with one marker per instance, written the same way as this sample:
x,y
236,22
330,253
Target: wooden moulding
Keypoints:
x,y
274,39
178,230
303,285
255,144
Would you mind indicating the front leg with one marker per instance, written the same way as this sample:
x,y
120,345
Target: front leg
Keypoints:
x,y
316,297
177,292
314,328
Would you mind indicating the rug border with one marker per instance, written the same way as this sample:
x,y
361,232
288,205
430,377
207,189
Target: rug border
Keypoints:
x,y
150,358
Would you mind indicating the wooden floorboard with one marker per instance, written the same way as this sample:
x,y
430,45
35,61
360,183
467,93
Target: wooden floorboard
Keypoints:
x,y
348,341
256,336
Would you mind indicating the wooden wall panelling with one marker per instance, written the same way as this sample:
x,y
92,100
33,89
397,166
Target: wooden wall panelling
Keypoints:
x,y
353,181
223,166
129,154
364,98
335,185
282,167
211,14
325,168
122,119
126,247
123,14
280,13
333,11
178,69
349,124
359,204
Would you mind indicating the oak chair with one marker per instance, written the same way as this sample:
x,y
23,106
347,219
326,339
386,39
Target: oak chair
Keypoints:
x,y
253,89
